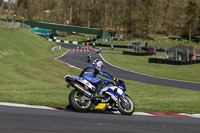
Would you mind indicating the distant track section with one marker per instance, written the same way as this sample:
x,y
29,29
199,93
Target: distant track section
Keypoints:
x,y
79,59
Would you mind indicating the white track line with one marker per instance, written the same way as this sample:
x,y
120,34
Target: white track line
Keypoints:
x,y
140,113
25,106
67,63
115,112
50,108
146,74
127,70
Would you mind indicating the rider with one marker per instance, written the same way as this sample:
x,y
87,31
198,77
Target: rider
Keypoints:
x,y
89,56
90,73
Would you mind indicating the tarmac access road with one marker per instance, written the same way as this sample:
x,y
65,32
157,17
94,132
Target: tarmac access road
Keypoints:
x,y
79,59
31,120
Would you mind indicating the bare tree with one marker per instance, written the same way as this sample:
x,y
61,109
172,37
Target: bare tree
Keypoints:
x,y
8,13
192,12
1,7
136,17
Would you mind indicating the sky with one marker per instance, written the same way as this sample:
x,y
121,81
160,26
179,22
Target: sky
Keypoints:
x,y
7,0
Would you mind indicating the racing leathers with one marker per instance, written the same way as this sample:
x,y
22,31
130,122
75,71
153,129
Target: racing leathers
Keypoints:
x,y
90,73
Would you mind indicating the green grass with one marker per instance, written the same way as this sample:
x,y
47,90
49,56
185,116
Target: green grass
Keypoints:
x,y
162,42
155,98
75,38
140,64
158,42
3,24
29,74
111,51
170,42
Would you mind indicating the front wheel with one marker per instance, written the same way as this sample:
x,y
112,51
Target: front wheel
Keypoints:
x,y
126,105
79,101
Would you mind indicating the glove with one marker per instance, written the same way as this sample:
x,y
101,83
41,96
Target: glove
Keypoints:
x,y
115,79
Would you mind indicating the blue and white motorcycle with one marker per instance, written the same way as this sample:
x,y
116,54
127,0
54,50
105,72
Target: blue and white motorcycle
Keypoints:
x,y
113,98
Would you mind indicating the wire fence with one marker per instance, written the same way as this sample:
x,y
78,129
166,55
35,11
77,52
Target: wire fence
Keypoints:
x,y
5,24
174,55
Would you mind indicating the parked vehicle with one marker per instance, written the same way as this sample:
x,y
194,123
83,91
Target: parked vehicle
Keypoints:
x,y
112,97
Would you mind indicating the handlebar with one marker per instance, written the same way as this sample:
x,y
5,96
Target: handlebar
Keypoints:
x,y
118,82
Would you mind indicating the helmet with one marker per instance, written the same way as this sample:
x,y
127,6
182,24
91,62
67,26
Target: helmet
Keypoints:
x,y
98,63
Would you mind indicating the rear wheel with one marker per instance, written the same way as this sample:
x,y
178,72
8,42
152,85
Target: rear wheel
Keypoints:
x,y
126,105
79,101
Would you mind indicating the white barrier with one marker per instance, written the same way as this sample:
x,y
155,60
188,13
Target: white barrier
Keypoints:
x,y
55,48
66,41
74,42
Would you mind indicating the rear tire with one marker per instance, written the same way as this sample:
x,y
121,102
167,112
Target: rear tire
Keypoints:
x,y
124,108
78,102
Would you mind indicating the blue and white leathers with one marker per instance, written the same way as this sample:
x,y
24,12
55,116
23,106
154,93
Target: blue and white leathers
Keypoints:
x,y
90,73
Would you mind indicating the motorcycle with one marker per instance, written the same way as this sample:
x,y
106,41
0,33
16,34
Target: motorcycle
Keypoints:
x,y
111,98
89,59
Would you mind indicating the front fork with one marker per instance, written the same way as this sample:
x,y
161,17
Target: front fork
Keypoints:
x,y
123,97
124,102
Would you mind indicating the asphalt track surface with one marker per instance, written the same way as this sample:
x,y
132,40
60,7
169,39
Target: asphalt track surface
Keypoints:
x,y
27,120
79,59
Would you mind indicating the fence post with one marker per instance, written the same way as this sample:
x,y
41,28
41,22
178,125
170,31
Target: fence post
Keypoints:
x,y
176,54
187,54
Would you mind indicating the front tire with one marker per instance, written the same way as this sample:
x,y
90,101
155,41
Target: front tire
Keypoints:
x,y
79,101
126,108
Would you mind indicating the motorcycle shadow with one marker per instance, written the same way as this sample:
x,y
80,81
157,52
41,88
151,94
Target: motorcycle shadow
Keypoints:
x,y
70,109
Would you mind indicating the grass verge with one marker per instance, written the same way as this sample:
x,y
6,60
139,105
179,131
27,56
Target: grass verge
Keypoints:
x,y
140,64
29,74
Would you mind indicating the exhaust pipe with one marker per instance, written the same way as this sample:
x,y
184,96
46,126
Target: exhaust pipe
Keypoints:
x,y
83,90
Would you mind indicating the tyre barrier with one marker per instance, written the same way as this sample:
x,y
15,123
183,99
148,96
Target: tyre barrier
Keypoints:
x,y
81,50
173,62
137,53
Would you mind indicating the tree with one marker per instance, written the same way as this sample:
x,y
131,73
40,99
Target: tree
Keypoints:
x,y
1,7
192,12
8,14
136,17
